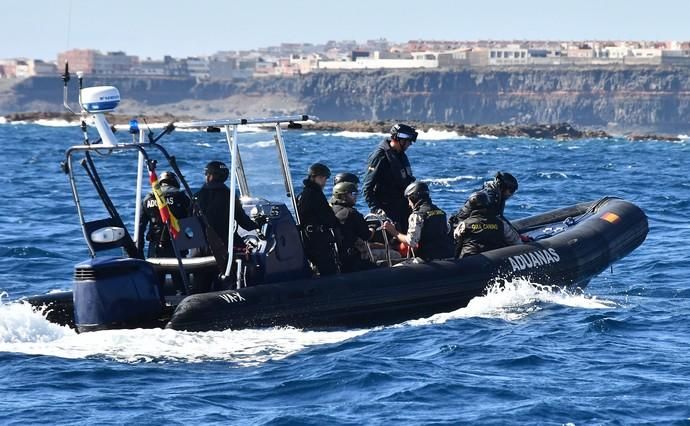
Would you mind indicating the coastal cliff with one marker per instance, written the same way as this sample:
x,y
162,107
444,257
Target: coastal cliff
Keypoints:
x,y
616,99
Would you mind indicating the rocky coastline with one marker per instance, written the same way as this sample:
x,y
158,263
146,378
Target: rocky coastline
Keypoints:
x,y
559,131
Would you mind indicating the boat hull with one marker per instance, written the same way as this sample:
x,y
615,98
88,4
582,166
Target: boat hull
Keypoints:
x,y
602,233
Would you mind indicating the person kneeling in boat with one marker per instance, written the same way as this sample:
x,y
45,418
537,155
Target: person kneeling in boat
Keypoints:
x,y
483,230
427,231
213,199
318,222
353,227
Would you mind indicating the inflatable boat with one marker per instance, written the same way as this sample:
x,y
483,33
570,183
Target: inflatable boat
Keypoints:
x,y
272,284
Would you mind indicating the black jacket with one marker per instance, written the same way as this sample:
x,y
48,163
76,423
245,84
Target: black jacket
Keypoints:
x,y
318,223
313,207
213,199
388,174
483,232
353,226
158,235
435,242
496,203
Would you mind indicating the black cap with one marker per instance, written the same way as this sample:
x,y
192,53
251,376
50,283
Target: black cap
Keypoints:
x,y
479,201
403,131
507,181
218,170
416,191
169,178
319,169
346,177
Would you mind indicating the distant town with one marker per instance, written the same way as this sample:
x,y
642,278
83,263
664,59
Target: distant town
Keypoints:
x,y
293,59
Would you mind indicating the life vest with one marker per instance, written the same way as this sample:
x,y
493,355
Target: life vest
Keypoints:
x,y
482,233
435,243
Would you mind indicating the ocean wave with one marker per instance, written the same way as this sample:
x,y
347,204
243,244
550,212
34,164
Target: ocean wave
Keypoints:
x,y
260,144
355,135
448,181
3,120
441,135
553,175
24,329
488,137
516,299
26,252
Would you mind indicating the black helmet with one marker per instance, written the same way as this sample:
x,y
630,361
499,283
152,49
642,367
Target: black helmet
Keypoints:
x,y
218,170
507,181
346,177
169,178
403,131
416,191
478,201
342,188
318,169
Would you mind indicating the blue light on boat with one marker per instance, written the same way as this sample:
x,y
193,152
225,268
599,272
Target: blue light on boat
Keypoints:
x,y
133,126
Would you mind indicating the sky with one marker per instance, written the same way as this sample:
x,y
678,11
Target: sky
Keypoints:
x,y
39,29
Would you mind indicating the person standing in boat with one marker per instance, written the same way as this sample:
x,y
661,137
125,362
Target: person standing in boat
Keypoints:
x,y
158,235
483,230
318,222
388,174
427,234
353,227
213,200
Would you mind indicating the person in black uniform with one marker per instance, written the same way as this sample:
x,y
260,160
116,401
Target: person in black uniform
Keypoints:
x,y
427,232
483,230
353,227
388,174
158,235
213,200
498,191
317,220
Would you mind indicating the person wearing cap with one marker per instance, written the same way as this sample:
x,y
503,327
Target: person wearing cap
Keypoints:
x,y
317,220
483,230
427,233
353,227
388,174
498,191
213,199
158,235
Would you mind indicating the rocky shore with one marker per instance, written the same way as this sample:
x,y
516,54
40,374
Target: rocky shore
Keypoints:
x,y
560,131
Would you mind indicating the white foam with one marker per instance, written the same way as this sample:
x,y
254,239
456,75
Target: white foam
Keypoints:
x,y
450,180
679,136
355,135
57,123
513,300
261,144
3,120
23,330
488,137
551,175
441,135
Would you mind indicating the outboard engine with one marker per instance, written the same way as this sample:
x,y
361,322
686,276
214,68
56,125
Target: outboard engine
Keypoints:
x,y
281,256
115,293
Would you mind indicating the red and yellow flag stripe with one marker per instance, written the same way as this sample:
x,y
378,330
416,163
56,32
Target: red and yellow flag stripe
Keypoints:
x,y
166,215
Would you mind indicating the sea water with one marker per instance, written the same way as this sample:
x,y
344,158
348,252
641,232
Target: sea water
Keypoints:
x,y
523,353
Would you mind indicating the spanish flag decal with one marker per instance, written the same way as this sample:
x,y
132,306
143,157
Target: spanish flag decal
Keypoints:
x,y
610,217
166,215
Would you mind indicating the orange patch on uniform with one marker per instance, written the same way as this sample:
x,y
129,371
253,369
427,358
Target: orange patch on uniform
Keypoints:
x,y
610,217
